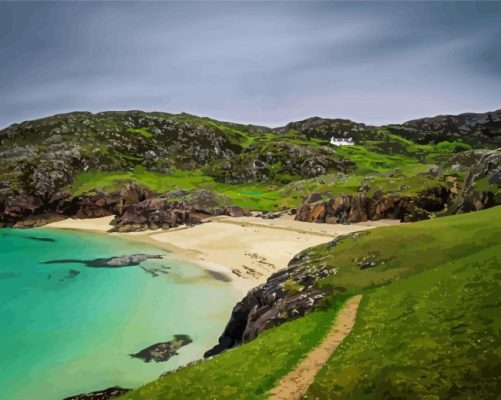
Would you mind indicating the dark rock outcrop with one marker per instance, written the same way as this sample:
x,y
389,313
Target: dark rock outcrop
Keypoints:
x,y
235,211
15,208
100,203
482,185
158,213
173,209
359,208
265,163
28,211
286,295
163,351
34,221
473,128
105,394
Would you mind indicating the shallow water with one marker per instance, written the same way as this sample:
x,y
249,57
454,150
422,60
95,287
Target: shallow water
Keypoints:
x,y
63,333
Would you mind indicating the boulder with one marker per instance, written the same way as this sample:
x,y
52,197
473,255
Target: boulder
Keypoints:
x,y
235,211
158,213
163,351
20,206
105,394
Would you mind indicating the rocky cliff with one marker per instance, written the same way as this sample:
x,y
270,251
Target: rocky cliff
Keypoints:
x,y
360,208
287,294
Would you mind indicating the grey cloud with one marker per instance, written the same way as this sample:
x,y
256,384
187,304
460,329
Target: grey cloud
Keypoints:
x,y
256,62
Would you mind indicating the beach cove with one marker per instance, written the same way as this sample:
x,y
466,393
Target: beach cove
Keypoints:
x,y
79,325
246,249
66,328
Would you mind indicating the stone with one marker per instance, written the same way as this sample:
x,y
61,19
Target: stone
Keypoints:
x,y
105,394
163,351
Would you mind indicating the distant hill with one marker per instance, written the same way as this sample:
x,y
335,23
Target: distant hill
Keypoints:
x,y
55,164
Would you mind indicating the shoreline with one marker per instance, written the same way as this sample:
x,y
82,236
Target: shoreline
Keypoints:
x,y
246,249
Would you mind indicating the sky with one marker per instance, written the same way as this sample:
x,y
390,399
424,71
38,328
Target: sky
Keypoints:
x,y
264,63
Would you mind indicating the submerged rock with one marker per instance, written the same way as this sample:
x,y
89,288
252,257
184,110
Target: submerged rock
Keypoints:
x,y
39,238
105,394
163,351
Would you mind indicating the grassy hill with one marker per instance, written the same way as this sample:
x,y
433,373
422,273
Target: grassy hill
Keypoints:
x,y
428,326
80,152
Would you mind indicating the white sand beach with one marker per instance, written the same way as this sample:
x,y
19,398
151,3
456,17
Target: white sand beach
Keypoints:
x,y
249,249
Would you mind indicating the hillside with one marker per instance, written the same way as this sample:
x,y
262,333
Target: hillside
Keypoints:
x,y
429,288
427,327
90,165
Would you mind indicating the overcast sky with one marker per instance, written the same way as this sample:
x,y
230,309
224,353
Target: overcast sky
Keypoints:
x,y
256,62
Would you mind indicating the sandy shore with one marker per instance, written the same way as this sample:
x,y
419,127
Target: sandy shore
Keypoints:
x,y
248,249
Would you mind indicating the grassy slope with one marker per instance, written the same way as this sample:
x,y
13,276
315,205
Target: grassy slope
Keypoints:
x,y
247,372
425,310
398,172
253,196
434,335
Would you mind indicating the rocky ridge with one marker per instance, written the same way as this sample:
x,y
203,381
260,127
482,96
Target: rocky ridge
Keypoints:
x,y
41,159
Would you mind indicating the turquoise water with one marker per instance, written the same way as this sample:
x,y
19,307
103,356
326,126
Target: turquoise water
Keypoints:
x,y
63,335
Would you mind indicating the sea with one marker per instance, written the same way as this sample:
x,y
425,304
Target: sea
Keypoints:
x,y
67,328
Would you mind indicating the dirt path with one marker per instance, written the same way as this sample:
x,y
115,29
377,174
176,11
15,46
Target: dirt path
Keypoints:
x,y
295,384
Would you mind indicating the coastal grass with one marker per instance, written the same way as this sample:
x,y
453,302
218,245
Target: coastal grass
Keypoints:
x,y
249,371
392,165
434,335
427,327
404,250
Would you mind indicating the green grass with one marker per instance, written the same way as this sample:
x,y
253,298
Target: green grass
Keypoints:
x,y
178,179
392,164
404,250
247,372
428,326
253,196
435,335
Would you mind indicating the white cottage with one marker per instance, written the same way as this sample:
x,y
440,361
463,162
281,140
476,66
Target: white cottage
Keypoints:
x,y
342,141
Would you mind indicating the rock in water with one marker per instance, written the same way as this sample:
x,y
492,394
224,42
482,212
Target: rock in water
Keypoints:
x,y
105,394
124,261
112,262
163,351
